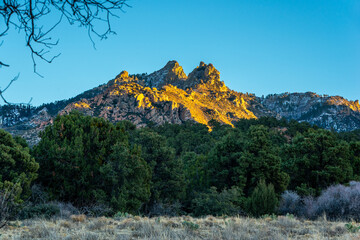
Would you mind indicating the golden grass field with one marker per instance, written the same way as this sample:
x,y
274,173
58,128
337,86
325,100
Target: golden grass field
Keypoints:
x,y
80,227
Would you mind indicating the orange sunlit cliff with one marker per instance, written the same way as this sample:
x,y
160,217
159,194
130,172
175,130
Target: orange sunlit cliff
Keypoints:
x,y
168,95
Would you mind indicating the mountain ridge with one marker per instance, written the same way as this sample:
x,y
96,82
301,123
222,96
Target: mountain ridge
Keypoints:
x,y
169,95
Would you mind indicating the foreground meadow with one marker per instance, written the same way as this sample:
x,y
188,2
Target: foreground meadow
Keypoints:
x,y
80,227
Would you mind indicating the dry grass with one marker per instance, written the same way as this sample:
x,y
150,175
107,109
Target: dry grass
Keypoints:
x,y
182,228
78,218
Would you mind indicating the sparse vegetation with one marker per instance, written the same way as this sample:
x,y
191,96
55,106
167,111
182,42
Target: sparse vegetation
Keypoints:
x,y
336,202
185,228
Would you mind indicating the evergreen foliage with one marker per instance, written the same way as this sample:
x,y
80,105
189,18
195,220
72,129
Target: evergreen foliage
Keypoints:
x,y
17,167
316,160
212,202
242,159
263,161
85,160
168,180
263,200
176,169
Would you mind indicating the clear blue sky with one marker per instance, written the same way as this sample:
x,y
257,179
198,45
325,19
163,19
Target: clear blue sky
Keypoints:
x,y
259,46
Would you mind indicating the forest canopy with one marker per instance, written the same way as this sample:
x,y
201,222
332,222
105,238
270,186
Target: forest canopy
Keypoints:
x,y
178,169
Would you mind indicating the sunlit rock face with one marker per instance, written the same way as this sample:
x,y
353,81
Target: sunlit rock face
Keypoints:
x,y
170,96
172,73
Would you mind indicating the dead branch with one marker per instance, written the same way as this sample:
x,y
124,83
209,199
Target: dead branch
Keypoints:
x,y
27,16
6,88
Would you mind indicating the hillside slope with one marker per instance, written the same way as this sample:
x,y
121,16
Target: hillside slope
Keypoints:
x,y
170,96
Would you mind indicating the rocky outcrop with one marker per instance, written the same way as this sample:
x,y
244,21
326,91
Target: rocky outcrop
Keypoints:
x,y
176,98
170,96
330,112
172,74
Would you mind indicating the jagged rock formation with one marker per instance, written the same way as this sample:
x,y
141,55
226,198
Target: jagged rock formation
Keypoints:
x,y
330,112
169,95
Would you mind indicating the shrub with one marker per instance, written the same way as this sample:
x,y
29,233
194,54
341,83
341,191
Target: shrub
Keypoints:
x,y
354,205
334,202
352,228
263,200
7,206
340,202
227,202
96,210
337,202
190,225
309,207
290,203
67,209
44,210
38,194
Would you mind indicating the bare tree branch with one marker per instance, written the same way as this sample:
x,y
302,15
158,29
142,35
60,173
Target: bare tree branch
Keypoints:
x,y
9,84
4,64
27,17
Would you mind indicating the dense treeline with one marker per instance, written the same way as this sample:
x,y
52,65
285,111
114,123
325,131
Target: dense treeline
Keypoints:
x,y
185,169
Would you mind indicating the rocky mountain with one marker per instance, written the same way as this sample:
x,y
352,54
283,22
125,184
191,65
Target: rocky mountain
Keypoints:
x,y
170,96
329,112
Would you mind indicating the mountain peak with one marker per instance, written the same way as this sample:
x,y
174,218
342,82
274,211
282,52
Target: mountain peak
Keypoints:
x,y
202,64
204,73
123,76
171,64
171,73
169,96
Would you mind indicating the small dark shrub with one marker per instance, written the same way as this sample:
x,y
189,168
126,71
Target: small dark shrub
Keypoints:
x,y
190,225
67,209
226,202
8,206
38,194
263,200
352,228
45,210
